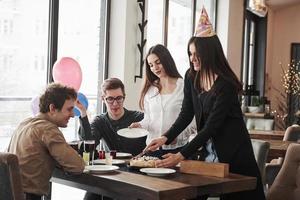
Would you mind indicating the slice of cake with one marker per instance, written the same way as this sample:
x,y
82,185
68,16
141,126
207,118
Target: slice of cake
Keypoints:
x,y
144,161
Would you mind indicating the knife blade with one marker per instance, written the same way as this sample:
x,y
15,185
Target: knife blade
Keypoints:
x,y
140,154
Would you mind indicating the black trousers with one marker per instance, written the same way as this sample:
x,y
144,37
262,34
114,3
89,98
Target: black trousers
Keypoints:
x,y
30,196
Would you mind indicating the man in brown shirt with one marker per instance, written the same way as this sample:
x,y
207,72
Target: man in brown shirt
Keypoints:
x,y
40,145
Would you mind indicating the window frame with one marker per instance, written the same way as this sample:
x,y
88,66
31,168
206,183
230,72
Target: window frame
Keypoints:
x,y
51,52
193,20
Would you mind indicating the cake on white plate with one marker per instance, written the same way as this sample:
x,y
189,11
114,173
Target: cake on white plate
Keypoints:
x,y
144,161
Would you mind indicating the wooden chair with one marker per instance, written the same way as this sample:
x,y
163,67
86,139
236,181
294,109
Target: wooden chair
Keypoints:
x,y
261,150
286,184
10,178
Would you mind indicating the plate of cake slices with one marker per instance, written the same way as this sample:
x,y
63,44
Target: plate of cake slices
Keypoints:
x,y
143,162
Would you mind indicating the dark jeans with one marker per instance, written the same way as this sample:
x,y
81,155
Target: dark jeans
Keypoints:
x,y
30,196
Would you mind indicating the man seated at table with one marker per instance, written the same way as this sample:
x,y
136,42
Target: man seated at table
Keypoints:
x,y
40,145
106,125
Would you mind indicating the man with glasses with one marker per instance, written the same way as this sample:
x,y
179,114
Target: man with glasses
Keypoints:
x,y
106,125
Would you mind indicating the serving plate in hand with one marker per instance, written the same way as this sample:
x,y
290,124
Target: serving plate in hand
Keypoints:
x,y
132,132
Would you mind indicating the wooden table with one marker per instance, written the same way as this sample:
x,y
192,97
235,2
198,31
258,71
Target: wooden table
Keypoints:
x,y
124,184
266,135
277,148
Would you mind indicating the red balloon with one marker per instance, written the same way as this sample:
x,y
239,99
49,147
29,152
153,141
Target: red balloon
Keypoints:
x,y
67,71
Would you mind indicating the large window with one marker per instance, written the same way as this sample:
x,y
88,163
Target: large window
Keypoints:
x,y
79,37
254,55
179,32
171,22
24,54
23,60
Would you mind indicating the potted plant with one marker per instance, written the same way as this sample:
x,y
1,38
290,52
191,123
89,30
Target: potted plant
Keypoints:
x,y
256,104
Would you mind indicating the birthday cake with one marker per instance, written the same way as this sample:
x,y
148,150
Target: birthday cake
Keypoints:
x,y
144,161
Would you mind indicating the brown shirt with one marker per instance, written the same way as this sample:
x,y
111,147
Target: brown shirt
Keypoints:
x,y
40,146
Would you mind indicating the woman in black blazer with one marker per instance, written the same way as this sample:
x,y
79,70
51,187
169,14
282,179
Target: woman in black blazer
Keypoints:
x,y
211,92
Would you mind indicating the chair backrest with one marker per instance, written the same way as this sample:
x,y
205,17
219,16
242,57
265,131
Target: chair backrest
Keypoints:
x,y
10,178
292,133
286,184
261,150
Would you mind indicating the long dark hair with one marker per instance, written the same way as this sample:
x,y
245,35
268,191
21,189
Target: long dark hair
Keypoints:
x,y
213,62
151,79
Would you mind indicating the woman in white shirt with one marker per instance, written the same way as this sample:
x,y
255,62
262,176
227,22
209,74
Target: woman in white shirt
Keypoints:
x,y
161,99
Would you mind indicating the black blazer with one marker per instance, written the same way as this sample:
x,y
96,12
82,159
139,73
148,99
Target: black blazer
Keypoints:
x,y
218,116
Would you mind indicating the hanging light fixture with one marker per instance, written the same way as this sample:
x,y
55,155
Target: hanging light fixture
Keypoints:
x,y
257,7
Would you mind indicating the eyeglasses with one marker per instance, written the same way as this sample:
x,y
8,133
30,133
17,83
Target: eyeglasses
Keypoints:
x,y
118,99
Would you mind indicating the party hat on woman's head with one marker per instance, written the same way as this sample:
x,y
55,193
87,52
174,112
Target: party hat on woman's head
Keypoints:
x,y
204,28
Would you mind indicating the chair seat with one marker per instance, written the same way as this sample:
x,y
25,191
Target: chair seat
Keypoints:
x,y
10,178
286,184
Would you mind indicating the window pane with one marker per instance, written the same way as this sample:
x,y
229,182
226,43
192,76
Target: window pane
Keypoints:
x,y
155,23
78,37
179,32
23,60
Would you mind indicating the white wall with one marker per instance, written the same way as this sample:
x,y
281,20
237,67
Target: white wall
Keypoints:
x,y
283,29
230,31
123,52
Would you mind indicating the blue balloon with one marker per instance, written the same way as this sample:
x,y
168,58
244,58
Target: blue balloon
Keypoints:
x,y
83,100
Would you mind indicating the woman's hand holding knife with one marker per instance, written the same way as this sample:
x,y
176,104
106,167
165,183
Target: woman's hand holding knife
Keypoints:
x,y
169,159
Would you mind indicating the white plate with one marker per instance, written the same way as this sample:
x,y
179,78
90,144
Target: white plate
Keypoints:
x,y
132,132
114,161
123,155
157,171
100,168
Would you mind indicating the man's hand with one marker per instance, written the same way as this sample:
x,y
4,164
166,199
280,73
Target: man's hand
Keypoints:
x,y
135,125
81,108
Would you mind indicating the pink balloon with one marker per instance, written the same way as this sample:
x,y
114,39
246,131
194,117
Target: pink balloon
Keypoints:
x,y
67,71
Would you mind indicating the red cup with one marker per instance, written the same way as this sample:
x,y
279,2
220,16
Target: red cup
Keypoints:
x,y
101,154
113,154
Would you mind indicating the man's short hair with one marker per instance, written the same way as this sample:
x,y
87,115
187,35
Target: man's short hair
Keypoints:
x,y
56,94
112,84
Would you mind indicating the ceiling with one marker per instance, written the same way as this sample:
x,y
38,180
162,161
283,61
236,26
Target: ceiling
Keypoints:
x,y
277,4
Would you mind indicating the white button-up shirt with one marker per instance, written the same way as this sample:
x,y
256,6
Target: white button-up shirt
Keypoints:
x,y
161,111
